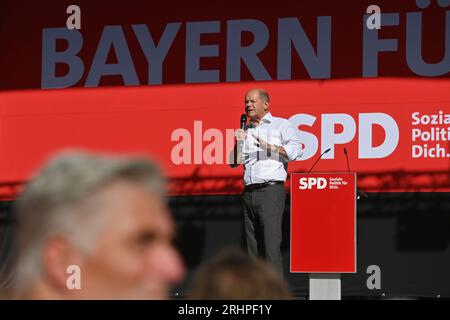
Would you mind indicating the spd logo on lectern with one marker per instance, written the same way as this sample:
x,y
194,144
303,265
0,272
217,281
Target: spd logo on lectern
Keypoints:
x,y
309,183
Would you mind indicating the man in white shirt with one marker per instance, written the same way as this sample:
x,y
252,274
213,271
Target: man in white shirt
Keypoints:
x,y
264,149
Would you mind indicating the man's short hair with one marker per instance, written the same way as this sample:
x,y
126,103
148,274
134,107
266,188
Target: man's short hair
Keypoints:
x,y
264,95
234,275
60,200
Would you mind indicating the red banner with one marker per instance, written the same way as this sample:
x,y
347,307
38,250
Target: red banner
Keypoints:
x,y
189,129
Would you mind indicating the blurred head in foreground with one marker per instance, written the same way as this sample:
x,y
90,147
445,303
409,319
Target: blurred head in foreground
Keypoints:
x,y
233,275
98,223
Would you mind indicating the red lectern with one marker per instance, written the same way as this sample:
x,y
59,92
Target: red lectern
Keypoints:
x,y
323,229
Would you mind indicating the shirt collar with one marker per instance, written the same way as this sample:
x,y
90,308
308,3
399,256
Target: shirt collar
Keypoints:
x,y
268,118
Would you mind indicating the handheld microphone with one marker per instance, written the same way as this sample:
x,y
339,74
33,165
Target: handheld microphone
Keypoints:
x,y
243,121
326,151
359,192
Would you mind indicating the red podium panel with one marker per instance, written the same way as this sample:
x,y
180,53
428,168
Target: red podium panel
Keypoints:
x,y
323,222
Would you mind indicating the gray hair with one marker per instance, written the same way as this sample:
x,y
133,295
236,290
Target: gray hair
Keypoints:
x,y
60,200
264,95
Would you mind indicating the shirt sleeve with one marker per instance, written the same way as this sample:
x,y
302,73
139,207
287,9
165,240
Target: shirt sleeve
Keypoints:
x,y
291,141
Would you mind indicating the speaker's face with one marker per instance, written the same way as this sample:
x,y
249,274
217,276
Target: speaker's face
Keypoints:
x,y
255,107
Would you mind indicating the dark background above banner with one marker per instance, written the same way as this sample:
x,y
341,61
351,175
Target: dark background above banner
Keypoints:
x,y
205,46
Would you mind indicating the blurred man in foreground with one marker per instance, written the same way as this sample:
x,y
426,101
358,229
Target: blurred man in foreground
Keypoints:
x,y
101,219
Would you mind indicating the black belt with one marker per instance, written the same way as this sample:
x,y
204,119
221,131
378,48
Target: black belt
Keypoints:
x,y
256,186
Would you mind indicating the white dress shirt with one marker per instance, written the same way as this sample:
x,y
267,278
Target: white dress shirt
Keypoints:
x,y
261,166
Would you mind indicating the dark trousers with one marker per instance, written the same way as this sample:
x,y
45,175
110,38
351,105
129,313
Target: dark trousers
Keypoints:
x,y
263,216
